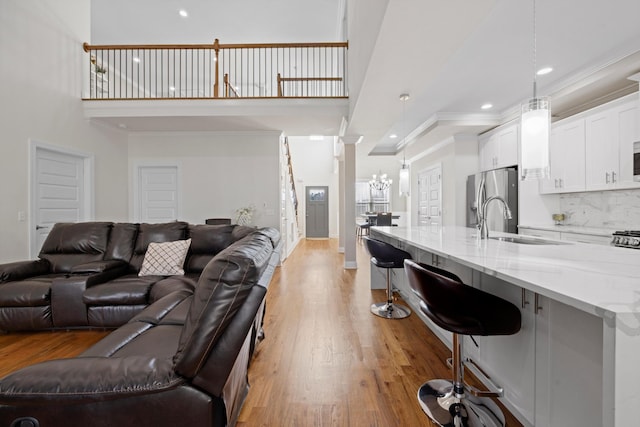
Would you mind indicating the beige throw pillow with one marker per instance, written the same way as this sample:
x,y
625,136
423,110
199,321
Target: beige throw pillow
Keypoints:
x,y
165,259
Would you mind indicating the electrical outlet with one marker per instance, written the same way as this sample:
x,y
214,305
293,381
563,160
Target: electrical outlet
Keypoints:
x,y
22,216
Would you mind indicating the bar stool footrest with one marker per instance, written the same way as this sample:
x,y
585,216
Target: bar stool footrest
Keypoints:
x,y
493,389
443,407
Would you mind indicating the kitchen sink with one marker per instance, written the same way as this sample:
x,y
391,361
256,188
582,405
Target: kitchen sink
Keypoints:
x,y
528,240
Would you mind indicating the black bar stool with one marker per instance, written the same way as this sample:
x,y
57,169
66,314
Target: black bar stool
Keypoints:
x,y
387,256
463,310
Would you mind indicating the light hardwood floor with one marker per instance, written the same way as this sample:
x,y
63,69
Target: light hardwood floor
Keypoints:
x,y
325,361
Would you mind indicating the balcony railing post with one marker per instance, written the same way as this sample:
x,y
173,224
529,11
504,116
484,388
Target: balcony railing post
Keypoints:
x,y
216,49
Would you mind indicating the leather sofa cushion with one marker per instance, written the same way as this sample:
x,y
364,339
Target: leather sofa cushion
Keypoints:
x,y
32,292
222,289
69,244
126,290
117,339
156,313
25,318
172,284
148,233
91,378
206,242
161,342
112,316
122,241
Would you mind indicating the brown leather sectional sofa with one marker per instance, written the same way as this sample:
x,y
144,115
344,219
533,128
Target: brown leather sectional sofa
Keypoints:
x,y
181,352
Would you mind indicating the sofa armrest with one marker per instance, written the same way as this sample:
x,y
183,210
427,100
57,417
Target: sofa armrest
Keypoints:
x,y
88,379
23,269
99,266
67,306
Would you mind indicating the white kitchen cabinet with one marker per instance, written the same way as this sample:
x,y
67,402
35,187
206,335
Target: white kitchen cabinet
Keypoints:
x,y
545,234
609,138
551,370
566,158
499,148
570,236
510,360
568,366
586,238
601,151
628,133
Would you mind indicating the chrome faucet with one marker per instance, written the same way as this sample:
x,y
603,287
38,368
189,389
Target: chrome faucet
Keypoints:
x,y
482,223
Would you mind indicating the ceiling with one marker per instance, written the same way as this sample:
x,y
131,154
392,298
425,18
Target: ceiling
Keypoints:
x,y
454,56
451,57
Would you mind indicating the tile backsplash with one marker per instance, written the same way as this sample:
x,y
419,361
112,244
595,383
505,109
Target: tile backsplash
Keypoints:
x,y
618,209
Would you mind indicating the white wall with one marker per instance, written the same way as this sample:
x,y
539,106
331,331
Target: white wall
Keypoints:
x,y
314,165
220,171
41,75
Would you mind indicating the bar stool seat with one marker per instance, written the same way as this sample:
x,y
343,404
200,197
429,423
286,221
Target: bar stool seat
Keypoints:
x,y
387,256
462,310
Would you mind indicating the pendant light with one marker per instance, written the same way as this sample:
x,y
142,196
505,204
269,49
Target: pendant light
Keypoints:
x,y
534,129
403,183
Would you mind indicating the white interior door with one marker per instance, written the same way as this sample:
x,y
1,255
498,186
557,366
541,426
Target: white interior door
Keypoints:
x,y
430,196
59,192
157,194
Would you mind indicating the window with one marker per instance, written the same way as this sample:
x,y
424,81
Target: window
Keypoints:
x,y
369,200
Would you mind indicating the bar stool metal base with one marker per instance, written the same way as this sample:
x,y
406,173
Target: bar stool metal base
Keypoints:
x,y
438,401
390,311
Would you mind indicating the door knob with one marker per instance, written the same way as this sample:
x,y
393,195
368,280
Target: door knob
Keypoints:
x,y
39,227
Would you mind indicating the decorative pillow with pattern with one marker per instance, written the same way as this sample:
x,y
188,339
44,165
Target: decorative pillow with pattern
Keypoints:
x,y
165,259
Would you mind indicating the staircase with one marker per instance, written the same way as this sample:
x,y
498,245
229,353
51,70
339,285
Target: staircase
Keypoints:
x,y
294,195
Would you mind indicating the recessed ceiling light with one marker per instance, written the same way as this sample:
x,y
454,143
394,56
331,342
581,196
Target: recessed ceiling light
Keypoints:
x,y
393,136
486,106
543,71
136,59
172,88
183,13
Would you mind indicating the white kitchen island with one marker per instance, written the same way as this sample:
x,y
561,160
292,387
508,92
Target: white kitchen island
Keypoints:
x,y
576,360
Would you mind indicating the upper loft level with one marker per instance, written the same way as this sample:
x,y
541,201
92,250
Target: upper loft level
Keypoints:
x,y
296,87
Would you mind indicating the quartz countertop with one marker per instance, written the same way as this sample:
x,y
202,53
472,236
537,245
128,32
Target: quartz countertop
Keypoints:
x,y
602,280
576,229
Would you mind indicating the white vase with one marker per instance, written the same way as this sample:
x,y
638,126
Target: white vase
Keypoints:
x,y
244,219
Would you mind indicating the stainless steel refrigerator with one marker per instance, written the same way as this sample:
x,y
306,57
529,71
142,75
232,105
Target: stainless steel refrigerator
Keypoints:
x,y
497,182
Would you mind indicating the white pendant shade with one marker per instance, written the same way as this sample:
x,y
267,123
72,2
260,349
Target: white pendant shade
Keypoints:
x,y
403,183
534,139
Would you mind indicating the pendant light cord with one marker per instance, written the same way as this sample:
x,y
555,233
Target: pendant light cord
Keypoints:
x,y
534,51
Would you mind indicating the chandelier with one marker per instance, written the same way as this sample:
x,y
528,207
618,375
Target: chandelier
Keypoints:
x,y
380,182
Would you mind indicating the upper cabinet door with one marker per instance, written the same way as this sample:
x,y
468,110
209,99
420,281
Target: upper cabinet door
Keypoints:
x,y
500,148
627,121
508,142
567,158
602,150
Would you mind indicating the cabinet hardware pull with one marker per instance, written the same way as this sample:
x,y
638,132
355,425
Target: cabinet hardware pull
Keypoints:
x,y
606,177
524,298
561,183
536,304
613,177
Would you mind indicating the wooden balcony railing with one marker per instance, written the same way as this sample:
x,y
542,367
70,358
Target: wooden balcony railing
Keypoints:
x,y
283,70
